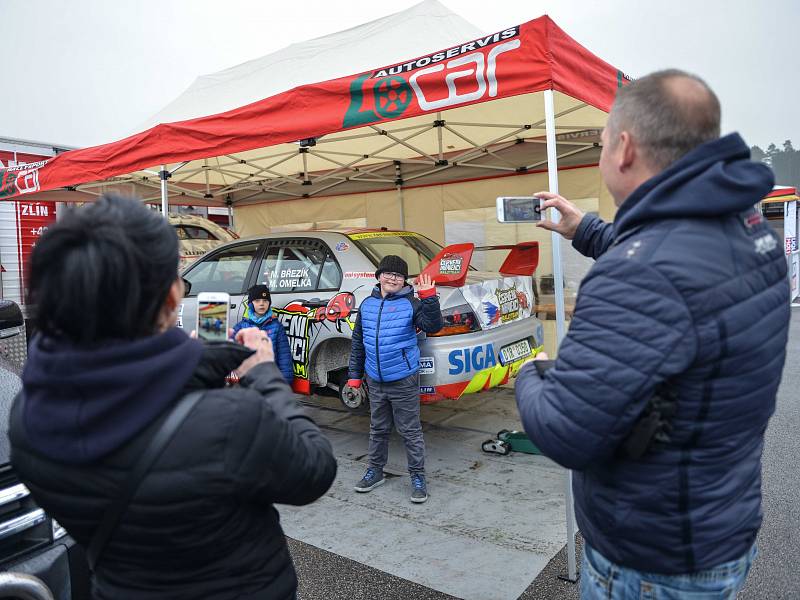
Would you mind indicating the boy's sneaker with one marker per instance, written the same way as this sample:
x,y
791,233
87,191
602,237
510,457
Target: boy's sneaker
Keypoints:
x,y
419,491
372,478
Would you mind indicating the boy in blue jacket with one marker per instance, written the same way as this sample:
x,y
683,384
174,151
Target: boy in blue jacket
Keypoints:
x,y
385,345
259,314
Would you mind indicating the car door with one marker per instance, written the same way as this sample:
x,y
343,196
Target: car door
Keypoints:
x,y
228,270
303,276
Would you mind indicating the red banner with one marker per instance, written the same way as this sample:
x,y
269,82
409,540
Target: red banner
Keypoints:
x,y
33,219
528,58
30,220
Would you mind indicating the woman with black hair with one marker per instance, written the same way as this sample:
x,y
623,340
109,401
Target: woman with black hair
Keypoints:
x,y
103,375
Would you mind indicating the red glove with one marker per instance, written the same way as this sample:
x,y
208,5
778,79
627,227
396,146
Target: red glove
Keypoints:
x,y
354,383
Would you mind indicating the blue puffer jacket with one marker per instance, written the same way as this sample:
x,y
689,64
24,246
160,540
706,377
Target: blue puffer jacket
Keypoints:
x,y
385,337
278,337
690,290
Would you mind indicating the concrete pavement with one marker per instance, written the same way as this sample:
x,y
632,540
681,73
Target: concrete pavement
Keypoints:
x,y
776,571
491,523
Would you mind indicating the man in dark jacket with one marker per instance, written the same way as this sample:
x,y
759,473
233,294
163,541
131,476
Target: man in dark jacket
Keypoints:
x,y
667,378
385,344
95,390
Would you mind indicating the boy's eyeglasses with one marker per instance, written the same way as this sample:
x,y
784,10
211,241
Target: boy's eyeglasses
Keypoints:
x,y
388,275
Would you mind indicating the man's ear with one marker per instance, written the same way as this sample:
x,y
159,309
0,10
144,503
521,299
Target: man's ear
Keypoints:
x,y
627,151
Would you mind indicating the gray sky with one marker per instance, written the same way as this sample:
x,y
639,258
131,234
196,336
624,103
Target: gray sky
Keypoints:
x,y
86,72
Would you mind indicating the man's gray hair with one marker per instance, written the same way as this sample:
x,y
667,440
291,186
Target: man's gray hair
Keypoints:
x,y
666,117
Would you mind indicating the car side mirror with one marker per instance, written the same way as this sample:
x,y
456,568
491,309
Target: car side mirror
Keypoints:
x,y
187,287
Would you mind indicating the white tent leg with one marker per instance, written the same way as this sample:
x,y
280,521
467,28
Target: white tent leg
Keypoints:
x,y
164,175
230,216
558,286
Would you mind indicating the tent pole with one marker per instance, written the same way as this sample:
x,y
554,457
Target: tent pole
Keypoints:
x,y
398,181
558,286
164,175
229,202
402,207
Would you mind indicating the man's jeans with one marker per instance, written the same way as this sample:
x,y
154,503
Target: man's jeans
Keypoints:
x,y
600,578
395,403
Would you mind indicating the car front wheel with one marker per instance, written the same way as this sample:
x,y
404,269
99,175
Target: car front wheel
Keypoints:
x,y
354,399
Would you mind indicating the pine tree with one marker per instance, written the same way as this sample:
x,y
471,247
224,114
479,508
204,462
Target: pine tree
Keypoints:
x,y
772,150
786,164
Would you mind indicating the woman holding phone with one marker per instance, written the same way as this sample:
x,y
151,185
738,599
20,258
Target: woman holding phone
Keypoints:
x,y
103,377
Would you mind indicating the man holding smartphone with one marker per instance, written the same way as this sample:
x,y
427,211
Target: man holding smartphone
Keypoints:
x,y
666,380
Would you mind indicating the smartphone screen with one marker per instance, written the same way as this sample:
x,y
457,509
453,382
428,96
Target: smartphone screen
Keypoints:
x,y
212,317
521,209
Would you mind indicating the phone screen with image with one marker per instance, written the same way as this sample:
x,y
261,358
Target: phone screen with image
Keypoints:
x,y
519,209
212,317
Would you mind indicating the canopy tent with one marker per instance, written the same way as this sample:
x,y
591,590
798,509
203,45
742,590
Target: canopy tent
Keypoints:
x,y
780,194
458,113
293,130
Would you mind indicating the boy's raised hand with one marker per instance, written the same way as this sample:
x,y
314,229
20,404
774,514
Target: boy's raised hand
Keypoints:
x,y
424,283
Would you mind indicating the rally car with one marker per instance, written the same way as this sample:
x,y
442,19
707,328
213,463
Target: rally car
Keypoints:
x,y
319,278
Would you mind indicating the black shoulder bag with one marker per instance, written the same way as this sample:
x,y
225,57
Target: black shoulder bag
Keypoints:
x,y
154,449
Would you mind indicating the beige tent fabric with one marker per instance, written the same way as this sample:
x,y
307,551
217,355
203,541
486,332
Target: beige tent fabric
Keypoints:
x,y
378,209
424,206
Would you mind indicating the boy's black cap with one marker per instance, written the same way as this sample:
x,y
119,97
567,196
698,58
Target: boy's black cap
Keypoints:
x,y
392,264
259,292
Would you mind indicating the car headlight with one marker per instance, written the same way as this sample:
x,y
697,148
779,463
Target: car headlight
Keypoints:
x,y
58,530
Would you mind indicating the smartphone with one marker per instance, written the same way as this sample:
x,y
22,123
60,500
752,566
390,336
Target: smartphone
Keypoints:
x,y
212,316
519,209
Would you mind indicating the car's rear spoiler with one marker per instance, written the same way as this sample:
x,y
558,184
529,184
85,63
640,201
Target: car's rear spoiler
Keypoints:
x,y
451,265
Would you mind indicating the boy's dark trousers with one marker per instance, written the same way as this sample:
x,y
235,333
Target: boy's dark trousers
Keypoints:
x,y
395,403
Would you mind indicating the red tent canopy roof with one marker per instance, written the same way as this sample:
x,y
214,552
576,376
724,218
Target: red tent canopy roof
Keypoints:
x,y
532,57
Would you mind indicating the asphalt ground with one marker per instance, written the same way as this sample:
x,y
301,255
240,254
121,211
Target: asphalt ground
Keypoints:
x,y
776,570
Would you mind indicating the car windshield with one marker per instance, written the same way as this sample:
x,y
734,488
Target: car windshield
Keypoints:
x,y
415,249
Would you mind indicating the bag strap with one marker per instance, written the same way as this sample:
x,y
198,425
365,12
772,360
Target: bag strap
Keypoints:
x,y
121,502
